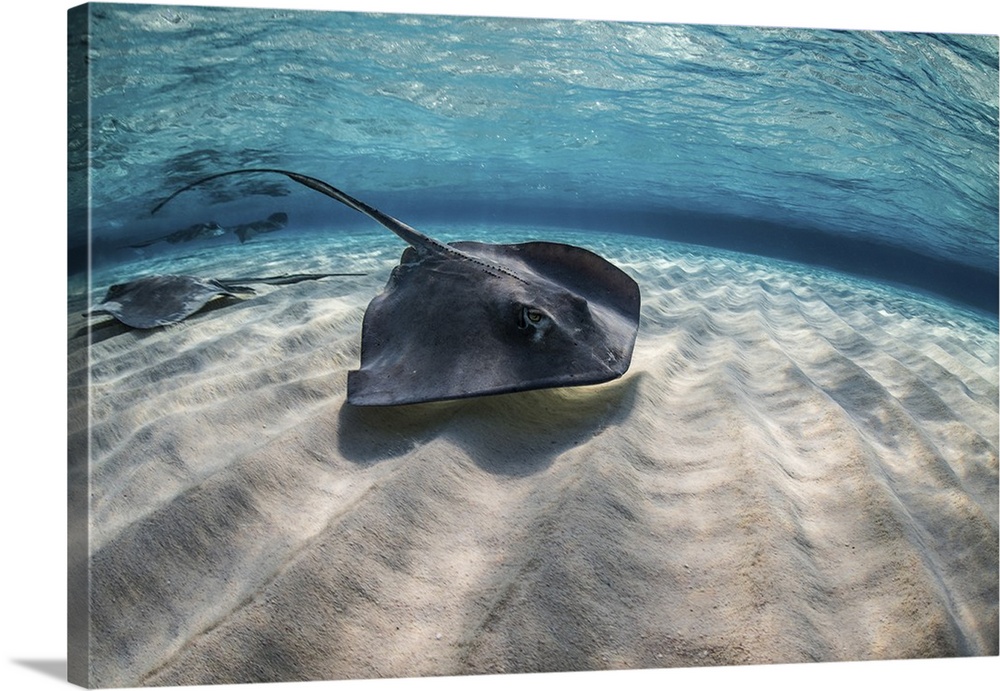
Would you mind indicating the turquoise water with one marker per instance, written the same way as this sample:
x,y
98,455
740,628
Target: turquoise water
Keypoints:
x,y
872,153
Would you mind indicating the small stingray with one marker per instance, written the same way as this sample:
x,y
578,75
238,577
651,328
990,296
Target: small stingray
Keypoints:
x,y
472,318
198,230
269,225
160,300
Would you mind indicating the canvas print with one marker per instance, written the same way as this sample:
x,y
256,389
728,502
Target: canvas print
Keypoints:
x,y
418,345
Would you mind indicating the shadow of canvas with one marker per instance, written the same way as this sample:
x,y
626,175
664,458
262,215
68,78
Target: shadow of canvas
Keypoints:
x,y
50,668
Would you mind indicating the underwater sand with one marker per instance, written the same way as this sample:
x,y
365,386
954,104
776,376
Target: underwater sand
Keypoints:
x,y
798,466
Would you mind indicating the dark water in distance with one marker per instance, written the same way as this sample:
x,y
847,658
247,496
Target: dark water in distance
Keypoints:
x,y
869,152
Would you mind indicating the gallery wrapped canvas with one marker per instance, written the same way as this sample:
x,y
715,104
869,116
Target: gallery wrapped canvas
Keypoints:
x,y
410,345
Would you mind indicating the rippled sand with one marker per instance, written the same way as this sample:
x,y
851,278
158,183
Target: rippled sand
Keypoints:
x,y
797,467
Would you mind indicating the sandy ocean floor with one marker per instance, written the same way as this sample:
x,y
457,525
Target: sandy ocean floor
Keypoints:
x,y
797,467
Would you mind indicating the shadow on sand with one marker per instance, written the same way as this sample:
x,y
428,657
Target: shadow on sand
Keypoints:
x,y
511,434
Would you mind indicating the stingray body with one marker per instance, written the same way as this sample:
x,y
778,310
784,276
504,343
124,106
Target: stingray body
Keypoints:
x,y
471,318
154,301
194,232
272,223
164,299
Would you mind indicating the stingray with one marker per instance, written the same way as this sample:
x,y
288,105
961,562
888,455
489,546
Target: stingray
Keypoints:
x,y
472,318
195,232
159,300
272,223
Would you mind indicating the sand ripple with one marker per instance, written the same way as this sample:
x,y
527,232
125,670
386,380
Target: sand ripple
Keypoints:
x,y
797,467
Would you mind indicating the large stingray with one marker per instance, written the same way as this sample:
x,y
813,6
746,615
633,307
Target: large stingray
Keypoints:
x,y
163,299
472,318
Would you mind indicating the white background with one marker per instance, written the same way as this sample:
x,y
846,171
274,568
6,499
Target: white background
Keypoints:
x,y
33,332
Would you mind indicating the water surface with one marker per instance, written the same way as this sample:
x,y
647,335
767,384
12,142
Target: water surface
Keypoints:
x,y
871,152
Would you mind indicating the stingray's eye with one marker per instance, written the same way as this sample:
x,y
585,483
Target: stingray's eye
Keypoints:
x,y
529,315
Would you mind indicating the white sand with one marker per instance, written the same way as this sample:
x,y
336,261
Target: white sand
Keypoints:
x,y
797,467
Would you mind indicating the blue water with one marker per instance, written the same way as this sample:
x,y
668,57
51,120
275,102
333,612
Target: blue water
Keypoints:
x,y
872,153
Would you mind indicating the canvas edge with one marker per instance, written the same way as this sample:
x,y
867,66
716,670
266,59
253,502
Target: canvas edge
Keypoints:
x,y
78,354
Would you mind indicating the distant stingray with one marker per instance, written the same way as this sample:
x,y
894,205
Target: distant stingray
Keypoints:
x,y
195,232
473,318
269,225
160,300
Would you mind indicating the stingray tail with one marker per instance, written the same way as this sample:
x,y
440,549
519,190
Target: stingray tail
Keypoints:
x,y
146,244
411,236
281,280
